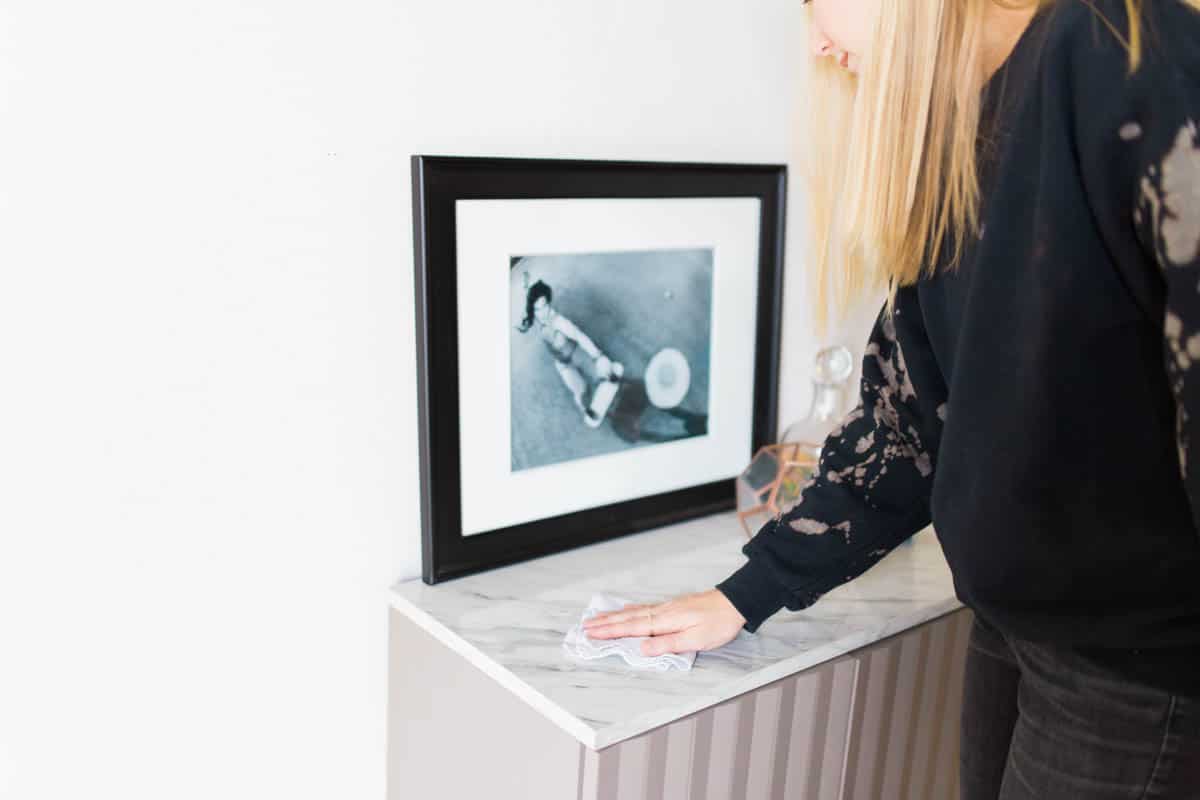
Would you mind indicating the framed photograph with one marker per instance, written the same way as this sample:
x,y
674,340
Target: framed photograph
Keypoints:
x,y
597,347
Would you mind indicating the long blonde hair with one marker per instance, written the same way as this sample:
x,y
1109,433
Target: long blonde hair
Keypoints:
x,y
890,168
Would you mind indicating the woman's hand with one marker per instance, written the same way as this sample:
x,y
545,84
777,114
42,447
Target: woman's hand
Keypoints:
x,y
697,621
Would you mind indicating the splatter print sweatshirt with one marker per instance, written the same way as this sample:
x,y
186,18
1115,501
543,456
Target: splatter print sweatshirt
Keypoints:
x,y
1040,403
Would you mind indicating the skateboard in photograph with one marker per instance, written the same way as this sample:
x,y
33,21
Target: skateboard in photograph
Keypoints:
x,y
605,392
666,380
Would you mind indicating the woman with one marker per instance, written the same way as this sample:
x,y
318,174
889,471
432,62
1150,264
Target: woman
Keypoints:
x,y
1024,179
580,363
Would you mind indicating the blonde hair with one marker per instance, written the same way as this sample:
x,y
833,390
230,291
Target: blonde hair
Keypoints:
x,y
890,169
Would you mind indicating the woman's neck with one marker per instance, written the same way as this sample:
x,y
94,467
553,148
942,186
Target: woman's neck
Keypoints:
x,y
1002,27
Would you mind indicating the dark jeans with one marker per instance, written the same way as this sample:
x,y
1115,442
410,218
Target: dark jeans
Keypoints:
x,y
1040,722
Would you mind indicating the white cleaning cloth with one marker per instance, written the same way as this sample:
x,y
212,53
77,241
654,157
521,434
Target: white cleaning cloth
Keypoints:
x,y
580,645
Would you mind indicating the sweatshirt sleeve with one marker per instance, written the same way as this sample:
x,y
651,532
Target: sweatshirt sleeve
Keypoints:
x,y
1167,217
1145,134
871,490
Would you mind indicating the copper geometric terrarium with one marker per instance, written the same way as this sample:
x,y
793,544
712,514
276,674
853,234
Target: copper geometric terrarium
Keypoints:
x,y
777,474
772,483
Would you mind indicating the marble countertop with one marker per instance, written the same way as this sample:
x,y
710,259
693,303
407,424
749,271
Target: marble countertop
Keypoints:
x,y
510,622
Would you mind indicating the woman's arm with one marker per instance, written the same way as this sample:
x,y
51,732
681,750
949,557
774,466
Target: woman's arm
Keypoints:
x,y
1139,151
1167,218
571,329
872,487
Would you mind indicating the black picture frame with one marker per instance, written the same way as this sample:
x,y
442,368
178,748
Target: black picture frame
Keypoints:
x,y
438,181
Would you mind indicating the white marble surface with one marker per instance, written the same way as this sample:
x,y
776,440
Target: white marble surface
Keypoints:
x,y
510,623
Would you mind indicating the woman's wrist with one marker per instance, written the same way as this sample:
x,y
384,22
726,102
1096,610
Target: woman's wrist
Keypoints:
x,y
754,592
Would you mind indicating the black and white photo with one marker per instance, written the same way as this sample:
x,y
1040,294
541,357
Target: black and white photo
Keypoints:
x,y
609,351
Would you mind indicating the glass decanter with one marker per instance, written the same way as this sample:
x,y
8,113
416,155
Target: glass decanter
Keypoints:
x,y
771,484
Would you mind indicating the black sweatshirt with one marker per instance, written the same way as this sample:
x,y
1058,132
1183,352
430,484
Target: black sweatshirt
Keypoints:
x,y
1039,405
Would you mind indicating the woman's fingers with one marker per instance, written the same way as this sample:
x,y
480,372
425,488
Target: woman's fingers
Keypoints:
x,y
634,621
662,635
622,614
696,621
615,630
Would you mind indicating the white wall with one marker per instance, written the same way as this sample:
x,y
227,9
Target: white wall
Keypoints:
x,y
208,450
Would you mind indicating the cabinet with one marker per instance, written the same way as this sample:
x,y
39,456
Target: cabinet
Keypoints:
x,y
857,696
